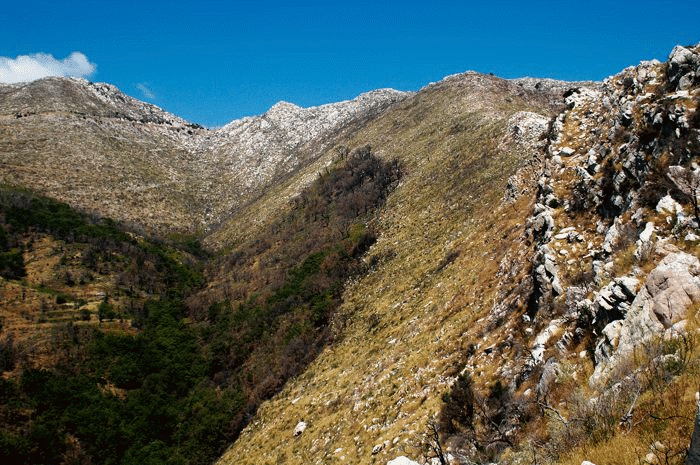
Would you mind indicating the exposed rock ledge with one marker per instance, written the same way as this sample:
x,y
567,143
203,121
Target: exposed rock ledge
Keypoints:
x,y
659,310
299,125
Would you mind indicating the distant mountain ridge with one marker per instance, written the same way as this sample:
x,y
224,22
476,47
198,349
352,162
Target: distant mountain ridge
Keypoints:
x,y
163,172
135,162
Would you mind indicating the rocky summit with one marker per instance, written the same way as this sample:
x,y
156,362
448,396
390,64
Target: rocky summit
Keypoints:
x,y
483,271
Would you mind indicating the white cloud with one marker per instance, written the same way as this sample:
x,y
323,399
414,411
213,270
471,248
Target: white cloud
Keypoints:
x,y
146,92
31,67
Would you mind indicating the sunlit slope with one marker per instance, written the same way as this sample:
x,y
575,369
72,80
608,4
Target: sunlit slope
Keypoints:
x,y
92,146
442,236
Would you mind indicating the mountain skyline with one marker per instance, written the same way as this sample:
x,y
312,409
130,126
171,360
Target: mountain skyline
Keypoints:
x,y
213,62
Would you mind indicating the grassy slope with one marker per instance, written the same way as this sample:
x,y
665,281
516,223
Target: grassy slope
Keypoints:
x,y
97,149
63,139
404,324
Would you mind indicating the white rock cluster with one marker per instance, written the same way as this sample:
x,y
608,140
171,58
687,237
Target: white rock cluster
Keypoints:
x,y
601,139
659,310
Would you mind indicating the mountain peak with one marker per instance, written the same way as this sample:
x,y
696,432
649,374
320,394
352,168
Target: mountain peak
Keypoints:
x,y
283,106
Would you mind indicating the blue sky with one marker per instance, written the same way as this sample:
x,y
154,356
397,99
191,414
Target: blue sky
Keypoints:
x,y
213,61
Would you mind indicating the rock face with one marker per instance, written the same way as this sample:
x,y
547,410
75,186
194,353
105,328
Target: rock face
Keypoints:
x,y
615,188
670,289
683,67
673,286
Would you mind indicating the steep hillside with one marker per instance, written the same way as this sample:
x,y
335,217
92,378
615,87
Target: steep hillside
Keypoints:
x,y
65,274
452,105
253,154
97,149
544,316
434,272
484,271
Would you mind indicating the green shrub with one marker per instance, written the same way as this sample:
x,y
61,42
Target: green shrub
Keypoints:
x,y
12,264
457,413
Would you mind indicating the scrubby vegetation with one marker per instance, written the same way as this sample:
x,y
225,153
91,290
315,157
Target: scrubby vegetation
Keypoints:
x,y
90,251
648,403
270,310
180,383
112,395
127,399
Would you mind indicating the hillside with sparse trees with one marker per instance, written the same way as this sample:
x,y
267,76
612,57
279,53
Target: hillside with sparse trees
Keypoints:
x,y
483,271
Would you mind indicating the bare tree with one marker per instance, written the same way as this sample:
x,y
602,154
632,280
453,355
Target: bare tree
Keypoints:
x,y
688,182
434,443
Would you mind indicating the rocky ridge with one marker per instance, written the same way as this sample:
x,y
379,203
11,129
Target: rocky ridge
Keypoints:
x,y
608,188
253,152
586,288
614,265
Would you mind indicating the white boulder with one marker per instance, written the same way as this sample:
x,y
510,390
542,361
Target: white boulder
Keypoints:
x,y
300,427
402,461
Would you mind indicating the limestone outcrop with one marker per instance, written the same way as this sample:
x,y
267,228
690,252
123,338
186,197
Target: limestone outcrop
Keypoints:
x,y
602,168
658,311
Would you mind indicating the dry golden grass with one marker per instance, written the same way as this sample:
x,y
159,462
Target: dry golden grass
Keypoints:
x,y
583,424
105,165
405,326
660,432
